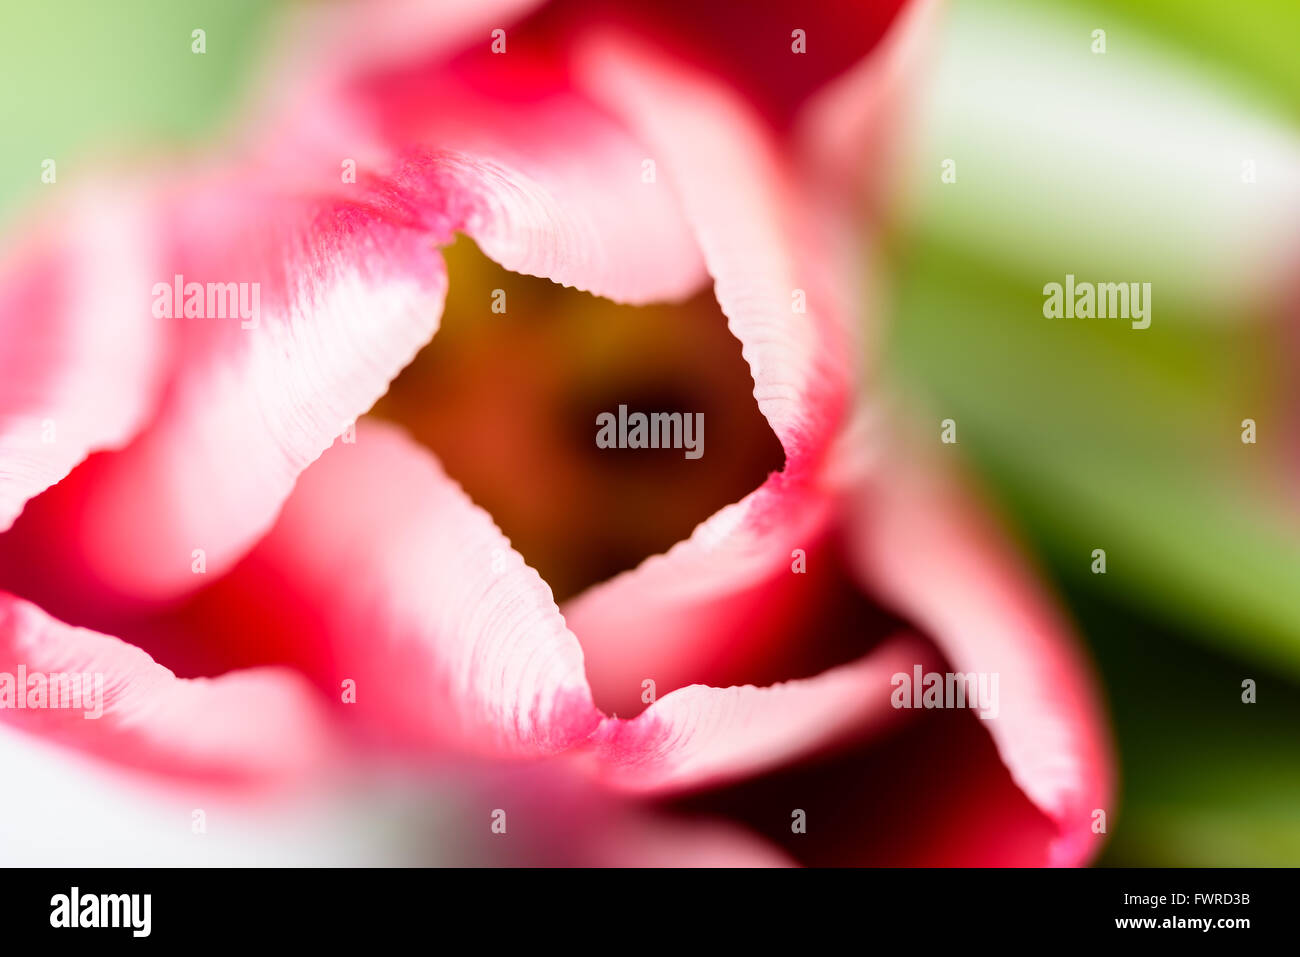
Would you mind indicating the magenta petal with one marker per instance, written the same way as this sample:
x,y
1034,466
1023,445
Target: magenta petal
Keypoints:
x,y
447,635
678,610
849,133
81,358
247,727
544,181
925,547
538,206
699,736
339,40
348,292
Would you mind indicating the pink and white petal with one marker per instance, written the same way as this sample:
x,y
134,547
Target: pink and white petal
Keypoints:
x,y
675,614
931,793
698,736
546,182
926,547
581,217
500,146
254,727
81,356
348,291
674,610
449,637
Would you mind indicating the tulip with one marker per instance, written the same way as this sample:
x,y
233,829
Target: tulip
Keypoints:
x,y
285,601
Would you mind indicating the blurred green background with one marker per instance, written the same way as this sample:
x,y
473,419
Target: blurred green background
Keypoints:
x,y
1122,166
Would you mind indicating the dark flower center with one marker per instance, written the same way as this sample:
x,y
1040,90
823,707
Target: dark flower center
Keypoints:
x,y
509,400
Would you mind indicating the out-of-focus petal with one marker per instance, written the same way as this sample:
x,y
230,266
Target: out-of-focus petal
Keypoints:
x,y
466,814
250,727
849,133
81,357
774,55
336,41
760,52
447,634
699,736
931,793
926,547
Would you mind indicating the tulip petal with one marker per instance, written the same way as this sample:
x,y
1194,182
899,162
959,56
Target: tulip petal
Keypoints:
x,y
503,148
335,297
81,358
924,545
931,793
449,637
253,726
700,736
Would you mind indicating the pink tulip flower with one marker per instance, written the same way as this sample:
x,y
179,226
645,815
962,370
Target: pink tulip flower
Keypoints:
x,y
285,608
